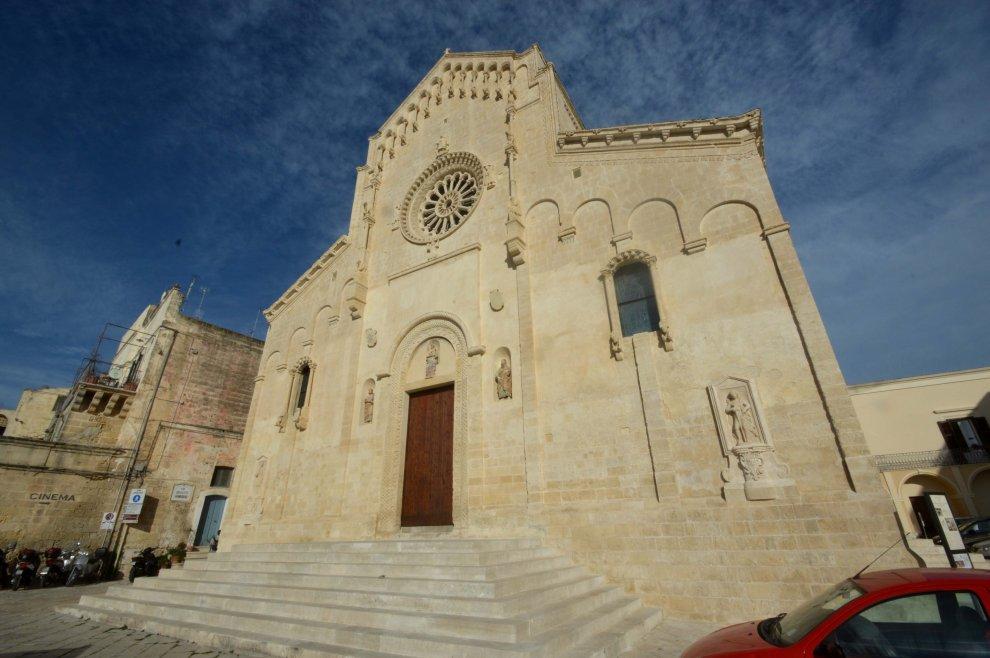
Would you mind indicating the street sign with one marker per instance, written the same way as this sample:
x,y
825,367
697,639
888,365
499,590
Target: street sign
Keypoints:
x,y
182,493
108,520
132,508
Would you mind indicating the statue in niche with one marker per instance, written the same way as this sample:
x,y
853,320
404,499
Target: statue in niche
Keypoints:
x,y
369,403
503,380
753,469
432,359
744,427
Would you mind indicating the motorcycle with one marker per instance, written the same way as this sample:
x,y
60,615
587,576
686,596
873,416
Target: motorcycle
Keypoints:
x,y
25,569
4,580
87,566
144,563
56,567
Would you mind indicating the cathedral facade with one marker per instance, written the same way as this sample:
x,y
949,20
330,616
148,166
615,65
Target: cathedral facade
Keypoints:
x,y
600,337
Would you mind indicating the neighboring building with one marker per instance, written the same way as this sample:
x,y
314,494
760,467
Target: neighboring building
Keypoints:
x,y
930,434
34,412
164,411
603,337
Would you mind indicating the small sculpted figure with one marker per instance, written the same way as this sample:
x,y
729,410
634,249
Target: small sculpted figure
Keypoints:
x,y
744,427
432,359
503,380
369,404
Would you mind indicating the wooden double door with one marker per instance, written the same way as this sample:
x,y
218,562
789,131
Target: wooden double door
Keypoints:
x,y
427,484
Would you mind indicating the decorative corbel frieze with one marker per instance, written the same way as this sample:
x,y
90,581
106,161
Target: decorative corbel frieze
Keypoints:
x,y
694,246
779,228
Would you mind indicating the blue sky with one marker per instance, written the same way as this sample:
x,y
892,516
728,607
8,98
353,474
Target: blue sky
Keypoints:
x,y
236,127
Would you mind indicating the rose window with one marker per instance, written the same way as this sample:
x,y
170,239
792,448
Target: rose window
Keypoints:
x,y
449,203
442,198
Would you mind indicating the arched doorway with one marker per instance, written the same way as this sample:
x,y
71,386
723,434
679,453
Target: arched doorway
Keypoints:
x,y
210,519
913,492
980,488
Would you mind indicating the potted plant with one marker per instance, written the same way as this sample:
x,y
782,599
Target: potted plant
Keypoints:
x,y
177,555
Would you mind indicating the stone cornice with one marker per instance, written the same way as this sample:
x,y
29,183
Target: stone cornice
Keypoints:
x,y
329,256
724,131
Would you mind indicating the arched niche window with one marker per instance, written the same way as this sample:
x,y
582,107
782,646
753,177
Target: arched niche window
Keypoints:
x,y
632,295
300,394
636,300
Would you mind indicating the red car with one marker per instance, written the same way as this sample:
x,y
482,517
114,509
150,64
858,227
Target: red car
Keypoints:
x,y
910,613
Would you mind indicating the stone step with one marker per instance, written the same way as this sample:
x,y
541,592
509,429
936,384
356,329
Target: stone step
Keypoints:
x,y
502,629
558,641
429,586
404,597
619,638
210,636
480,558
458,626
398,545
504,607
491,572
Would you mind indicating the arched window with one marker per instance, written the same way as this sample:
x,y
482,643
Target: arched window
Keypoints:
x,y
636,299
300,393
633,299
303,387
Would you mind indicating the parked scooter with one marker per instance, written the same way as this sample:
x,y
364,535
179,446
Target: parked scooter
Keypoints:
x,y
56,567
87,566
144,563
4,579
26,568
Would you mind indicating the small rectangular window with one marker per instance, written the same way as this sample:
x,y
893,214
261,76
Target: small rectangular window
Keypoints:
x,y
222,475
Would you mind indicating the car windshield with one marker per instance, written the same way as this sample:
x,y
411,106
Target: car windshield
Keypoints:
x,y
794,625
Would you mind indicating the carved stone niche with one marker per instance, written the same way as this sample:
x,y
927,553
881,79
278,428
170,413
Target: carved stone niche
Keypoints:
x,y
752,469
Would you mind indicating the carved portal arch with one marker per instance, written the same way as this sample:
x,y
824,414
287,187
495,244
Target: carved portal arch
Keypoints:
x,y
399,384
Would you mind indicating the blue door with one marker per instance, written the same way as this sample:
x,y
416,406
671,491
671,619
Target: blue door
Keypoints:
x,y
209,520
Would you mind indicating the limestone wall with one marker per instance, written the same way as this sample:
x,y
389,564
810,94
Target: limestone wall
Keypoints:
x,y
619,450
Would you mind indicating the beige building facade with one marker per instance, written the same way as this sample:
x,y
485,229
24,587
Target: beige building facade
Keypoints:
x,y
34,412
930,434
160,406
599,337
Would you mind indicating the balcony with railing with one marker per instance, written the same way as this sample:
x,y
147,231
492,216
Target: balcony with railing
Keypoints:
x,y
931,459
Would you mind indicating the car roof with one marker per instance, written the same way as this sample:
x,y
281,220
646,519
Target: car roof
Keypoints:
x,y
876,580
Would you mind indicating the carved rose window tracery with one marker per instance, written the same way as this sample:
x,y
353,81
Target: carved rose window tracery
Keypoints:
x,y
442,198
449,203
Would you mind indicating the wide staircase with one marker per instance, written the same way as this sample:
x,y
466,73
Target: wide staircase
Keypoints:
x,y
402,597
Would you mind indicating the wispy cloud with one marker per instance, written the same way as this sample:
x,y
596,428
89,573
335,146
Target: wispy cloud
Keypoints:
x,y
236,128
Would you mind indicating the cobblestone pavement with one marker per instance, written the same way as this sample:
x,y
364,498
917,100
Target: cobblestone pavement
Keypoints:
x,y
30,628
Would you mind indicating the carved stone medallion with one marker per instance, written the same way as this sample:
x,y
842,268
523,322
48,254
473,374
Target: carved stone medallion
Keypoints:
x,y
371,336
495,300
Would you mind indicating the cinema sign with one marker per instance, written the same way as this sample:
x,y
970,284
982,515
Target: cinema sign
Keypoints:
x,y
49,497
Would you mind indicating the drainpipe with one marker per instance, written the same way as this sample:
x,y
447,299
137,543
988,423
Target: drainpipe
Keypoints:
x,y
122,535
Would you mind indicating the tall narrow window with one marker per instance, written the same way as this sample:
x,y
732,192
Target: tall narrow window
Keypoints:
x,y
303,386
222,475
636,299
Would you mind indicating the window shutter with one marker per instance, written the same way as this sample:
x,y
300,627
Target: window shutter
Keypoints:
x,y
982,430
953,437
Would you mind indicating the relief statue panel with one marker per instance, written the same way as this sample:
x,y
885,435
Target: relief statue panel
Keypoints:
x,y
752,470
